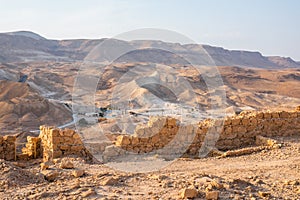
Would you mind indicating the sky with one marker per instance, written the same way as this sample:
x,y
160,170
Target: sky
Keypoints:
x,y
271,27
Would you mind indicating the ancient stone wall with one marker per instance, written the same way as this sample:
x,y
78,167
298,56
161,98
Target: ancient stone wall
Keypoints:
x,y
158,133
51,143
230,133
162,135
33,148
57,143
243,129
8,147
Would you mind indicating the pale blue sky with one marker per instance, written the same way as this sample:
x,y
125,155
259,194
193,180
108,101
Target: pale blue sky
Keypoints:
x,y
269,26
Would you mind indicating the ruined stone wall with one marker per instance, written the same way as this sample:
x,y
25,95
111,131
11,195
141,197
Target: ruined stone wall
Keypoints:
x,y
57,143
230,133
158,133
242,129
33,148
163,135
7,147
51,143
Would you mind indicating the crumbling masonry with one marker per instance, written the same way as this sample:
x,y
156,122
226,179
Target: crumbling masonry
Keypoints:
x,y
232,133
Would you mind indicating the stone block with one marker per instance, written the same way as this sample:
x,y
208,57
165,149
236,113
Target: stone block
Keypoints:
x,y
67,132
54,133
284,114
76,136
155,139
235,121
64,147
212,195
267,115
227,121
189,193
123,140
78,173
77,148
275,115
259,115
245,121
135,141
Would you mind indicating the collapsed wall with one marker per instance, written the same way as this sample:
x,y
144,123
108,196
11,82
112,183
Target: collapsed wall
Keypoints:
x,y
226,134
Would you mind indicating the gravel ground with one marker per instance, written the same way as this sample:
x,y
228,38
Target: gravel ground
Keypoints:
x,y
269,174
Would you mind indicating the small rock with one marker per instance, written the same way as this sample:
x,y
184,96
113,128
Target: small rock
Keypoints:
x,y
50,175
204,181
109,181
259,181
88,193
20,164
78,173
212,195
264,194
216,184
56,160
66,164
188,193
45,165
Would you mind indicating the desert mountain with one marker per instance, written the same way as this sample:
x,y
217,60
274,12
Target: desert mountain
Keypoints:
x,y
27,46
250,80
255,88
21,106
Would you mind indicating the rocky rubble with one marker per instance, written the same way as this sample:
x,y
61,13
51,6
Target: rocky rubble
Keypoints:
x,y
269,171
262,175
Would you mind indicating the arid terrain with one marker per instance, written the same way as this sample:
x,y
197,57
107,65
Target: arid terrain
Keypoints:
x,y
245,89
269,174
37,78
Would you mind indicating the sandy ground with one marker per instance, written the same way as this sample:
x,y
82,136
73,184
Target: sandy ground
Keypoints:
x,y
274,174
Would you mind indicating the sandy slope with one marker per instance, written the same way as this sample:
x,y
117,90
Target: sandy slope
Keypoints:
x,y
23,109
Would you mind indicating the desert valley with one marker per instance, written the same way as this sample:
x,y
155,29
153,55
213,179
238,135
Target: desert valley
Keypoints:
x,y
156,126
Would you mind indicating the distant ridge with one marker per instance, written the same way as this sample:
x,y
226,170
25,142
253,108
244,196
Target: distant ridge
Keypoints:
x,y
23,46
27,34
